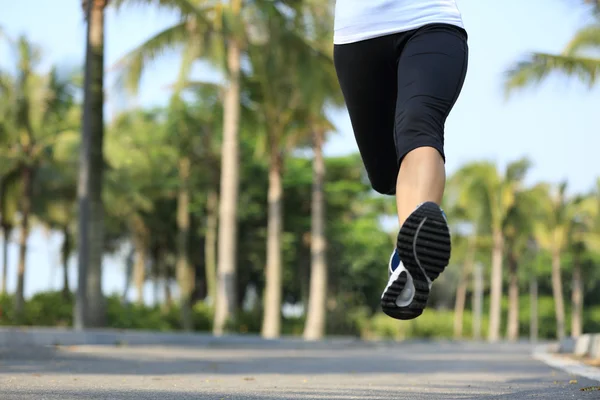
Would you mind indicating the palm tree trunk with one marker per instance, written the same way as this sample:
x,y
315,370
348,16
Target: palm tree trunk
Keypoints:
x,y
496,287
129,262
513,298
67,248
533,322
272,303
210,243
559,303
27,181
185,271
6,231
90,308
461,289
156,289
577,298
227,251
140,272
315,320
168,294
3,226
140,244
164,273
477,300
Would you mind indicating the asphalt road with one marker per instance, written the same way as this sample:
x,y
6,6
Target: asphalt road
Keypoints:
x,y
347,371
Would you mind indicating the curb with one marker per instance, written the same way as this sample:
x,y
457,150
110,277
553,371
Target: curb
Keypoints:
x,y
587,345
41,337
544,354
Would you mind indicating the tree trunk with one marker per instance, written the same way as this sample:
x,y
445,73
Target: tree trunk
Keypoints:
x,y
496,287
577,298
140,272
156,290
315,320
227,251
210,243
559,303
141,235
461,289
90,308
27,181
533,322
6,231
272,302
129,262
477,300
67,248
185,271
512,331
164,273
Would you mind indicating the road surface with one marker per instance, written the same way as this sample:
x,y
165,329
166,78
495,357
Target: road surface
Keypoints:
x,y
344,371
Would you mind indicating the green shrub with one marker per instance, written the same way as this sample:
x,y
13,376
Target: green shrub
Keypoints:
x,y
433,324
6,310
592,320
380,326
49,308
203,316
55,309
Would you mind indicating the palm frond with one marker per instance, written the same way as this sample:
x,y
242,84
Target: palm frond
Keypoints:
x,y
132,64
191,53
184,8
197,86
585,39
517,170
538,66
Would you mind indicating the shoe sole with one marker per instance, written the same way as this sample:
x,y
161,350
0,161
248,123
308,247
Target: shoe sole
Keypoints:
x,y
424,246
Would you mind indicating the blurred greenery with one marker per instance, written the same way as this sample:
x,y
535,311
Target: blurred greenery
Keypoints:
x,y
54,309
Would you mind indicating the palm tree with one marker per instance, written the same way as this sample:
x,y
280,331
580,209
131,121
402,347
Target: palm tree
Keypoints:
x,y
9,172
55,203
206,121
205,30
287,69
181,125
518,231
28,58
556,217
8,210
226,301
89,307
320,91
278,100
38,118
576,60
481,181
461,209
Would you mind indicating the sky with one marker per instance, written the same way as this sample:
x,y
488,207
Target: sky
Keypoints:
x,y
554,124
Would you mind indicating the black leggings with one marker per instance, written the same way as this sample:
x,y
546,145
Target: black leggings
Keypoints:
x,y
399,90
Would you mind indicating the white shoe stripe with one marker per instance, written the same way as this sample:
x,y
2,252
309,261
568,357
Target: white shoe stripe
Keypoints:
x,y
409,288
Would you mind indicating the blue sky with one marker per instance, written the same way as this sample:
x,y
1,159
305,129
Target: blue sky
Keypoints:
x,y
555,125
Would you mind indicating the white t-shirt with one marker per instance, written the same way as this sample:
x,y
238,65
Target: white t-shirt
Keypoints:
x,y
357,20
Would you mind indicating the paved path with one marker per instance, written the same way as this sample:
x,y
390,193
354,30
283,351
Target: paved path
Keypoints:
x,y
431,371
